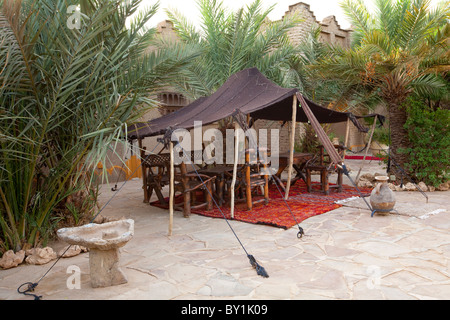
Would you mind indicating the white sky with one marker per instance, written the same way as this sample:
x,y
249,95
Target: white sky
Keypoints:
x,y
320,8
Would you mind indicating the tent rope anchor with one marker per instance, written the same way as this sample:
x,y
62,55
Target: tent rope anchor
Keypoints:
x,y
30,288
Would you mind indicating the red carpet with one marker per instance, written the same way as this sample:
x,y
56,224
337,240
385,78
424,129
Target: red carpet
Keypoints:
x,y
302,204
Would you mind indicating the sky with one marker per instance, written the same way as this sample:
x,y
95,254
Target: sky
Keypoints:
x,y
321,9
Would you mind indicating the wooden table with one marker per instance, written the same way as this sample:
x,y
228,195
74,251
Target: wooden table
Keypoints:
x,y
218,171
299,162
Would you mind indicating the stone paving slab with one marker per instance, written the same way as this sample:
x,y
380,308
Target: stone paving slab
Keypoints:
x,y
345,254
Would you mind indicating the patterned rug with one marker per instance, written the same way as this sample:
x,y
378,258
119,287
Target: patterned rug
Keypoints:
x,y
302,204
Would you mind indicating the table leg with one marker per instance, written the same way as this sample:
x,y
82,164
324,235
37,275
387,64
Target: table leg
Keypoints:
x,y
300,174
221,186
278,180
280,171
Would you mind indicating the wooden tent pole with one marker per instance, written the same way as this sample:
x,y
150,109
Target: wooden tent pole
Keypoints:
x,y
236,159
172,188
292,145
144,171
248,189
367,148
347,136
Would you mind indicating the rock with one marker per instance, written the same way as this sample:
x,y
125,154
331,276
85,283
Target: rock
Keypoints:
x,y
368,177
11,259
443,187
392,186
398,188
410,187
72,251
431,188
40,256
100,219
363,183
423,186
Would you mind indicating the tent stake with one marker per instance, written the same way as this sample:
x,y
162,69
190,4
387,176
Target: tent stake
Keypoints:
x,y
292,144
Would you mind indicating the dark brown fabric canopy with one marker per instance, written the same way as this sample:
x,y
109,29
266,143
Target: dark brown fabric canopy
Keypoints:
x,y
247,92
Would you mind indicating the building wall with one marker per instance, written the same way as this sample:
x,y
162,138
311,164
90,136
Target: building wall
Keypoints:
x,y
331,32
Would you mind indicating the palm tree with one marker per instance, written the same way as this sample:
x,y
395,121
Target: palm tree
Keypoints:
x,y
234,41
398,50
72,76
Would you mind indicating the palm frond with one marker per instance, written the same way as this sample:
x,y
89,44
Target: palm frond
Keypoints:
x,y
359,16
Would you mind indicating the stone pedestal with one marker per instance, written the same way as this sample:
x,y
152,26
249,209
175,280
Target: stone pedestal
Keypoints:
x,y
104,268
103,241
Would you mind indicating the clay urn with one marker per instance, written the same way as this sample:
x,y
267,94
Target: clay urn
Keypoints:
x,y
382,198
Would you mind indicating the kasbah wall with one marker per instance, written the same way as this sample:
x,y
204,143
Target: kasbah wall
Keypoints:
x,y
331,32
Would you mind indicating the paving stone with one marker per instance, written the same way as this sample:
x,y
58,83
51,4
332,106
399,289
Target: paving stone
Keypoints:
x,y
222,285
382,248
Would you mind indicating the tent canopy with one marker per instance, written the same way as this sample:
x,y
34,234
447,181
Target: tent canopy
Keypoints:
x,y
247,92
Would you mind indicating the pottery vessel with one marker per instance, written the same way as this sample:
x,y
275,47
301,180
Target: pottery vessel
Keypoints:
x,y
382,198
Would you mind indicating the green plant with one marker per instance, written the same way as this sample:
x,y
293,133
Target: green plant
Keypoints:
x,y
382,135
429,136
310,142
67,92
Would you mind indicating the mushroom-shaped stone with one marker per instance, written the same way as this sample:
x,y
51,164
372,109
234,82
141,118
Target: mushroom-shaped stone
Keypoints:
x,y
103,241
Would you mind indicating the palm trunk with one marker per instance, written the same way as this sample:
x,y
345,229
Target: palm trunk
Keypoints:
x,y
395,91
399,138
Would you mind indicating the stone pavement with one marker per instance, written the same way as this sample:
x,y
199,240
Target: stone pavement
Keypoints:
x,y
345,254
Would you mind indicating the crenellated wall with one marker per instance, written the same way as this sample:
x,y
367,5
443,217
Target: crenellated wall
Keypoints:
x,y
331,31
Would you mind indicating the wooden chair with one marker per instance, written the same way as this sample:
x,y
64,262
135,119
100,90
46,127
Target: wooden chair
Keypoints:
x,y
252,180
188,184
154,174
321,162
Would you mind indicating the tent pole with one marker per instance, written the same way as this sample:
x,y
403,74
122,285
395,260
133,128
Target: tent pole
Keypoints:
x,y
347,136
292,145
144,171
172,191
236,158
367,148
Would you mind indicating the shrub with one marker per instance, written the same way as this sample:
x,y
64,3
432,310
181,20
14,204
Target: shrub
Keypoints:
x,y
429,136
